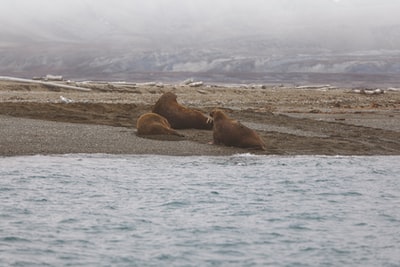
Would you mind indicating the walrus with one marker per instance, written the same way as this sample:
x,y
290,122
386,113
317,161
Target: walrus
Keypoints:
x,y
229,132
181,117
154,124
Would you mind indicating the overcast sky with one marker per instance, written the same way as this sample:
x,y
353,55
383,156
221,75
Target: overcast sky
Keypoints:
x,y
43,20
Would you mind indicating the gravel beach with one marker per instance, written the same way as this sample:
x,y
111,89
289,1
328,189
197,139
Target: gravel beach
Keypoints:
x,y
44,119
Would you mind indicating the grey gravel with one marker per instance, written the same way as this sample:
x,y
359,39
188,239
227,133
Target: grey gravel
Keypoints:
x,y
20,136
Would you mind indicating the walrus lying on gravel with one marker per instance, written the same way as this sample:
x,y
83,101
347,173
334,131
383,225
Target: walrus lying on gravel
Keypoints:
x,y
181,117
230,132
154,124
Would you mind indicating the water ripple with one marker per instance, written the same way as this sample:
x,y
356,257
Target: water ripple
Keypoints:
x,y
242,210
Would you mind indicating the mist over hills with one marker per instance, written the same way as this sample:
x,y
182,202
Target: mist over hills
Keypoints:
x,y
87,39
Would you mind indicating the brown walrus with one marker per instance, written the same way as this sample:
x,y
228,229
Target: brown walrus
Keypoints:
x,y
229,132
181,117
154,124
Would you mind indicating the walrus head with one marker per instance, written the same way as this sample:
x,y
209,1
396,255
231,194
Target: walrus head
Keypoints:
x,y
218,114
169,96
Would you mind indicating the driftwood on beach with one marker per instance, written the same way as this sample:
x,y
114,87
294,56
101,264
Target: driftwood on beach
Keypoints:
x,y
45,83
369,91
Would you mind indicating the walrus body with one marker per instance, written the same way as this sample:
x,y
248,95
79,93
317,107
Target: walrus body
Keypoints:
x,y
181,117
154,124
230,132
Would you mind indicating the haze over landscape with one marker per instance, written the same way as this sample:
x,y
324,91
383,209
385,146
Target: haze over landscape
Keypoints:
x,y
220,40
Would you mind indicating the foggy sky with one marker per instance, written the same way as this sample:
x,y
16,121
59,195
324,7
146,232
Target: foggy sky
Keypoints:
x,y
340,21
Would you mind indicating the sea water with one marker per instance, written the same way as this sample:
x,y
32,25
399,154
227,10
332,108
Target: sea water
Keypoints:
x,y
241,210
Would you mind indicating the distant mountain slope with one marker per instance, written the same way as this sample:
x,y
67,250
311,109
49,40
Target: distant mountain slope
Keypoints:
x,y
79,60
87,38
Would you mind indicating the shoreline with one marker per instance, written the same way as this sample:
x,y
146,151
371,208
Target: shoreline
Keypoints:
x,y
35,120
40,137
